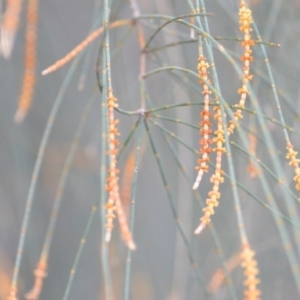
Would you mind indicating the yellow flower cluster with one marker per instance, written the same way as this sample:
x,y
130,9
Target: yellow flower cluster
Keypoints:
x,y
293,161
251,271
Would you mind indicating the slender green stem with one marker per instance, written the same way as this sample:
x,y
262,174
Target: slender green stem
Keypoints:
x,y
217,38
253,112
258,42
63,178
215,235
87,59
272,84
36,171
174,211
152,110
127,140
174,44
171,19
178,121
79,251
126,295
272,174
126,112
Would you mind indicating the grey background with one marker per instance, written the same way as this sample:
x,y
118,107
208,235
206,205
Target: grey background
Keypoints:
x,y
160,266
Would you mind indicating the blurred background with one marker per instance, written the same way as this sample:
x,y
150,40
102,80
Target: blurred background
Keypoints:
x,y
162,267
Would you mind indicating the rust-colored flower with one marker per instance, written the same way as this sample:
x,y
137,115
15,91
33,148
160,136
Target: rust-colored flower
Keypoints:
x,y
217,178
205,124
9,26
114,202
28,83
245,21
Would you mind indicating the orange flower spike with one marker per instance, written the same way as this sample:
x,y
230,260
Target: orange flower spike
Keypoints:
x,y
83,45
249,264
9,27
26,97
245,21
216,178
114,203
110,216
293,161
205,125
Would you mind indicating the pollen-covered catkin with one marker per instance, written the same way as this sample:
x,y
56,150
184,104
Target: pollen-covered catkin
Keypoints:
x,y
114,202
29,78
217,178
249,264
293,161
245,21
205,124
9,26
